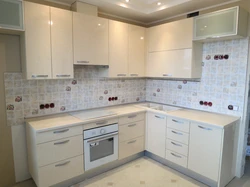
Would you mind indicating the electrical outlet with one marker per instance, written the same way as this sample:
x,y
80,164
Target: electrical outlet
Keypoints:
x,y
235,107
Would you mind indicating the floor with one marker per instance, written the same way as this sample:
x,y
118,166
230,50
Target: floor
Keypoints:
x,y
145,172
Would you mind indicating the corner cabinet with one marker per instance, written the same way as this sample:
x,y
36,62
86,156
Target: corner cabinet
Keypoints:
x,y
226,24
90,38
47,51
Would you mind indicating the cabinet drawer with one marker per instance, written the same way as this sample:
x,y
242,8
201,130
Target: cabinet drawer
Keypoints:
x,y
100,123
131,147
177,136
131,130
60,171
178,124
176,158
51,152
177,147
59,134
131,118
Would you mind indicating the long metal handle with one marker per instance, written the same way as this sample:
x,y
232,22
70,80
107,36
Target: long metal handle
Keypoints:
x,y
177,121
205,128
63,142
177,133
62,164
61,131
176,155
166,75
102,138
132,116
121,75
40,76
132,142
160,117
83,62
132,125
176,144
62,75
134,75
101,123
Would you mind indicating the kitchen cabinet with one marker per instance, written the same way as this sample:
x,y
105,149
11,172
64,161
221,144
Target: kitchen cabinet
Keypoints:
x,y
11,15
136,53
90,34
225,24
47,42
170,36
156,134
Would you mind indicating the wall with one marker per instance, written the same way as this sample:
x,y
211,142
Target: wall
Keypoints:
x,y
9,61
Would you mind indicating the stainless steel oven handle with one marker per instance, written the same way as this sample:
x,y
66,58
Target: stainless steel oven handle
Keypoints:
x,y
102,138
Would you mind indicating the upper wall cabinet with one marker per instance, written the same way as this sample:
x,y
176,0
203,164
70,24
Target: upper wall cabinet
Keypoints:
x,y
11,14
90,36
47,42
226,24
170,36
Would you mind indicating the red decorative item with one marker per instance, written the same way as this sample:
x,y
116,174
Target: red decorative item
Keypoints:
x,y
110,99
216,57
221,57
47,106
116,98
205,103
226,57
41,106
52,105
210,104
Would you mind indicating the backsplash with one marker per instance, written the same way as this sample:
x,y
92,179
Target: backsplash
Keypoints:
x,y
25,97
223,80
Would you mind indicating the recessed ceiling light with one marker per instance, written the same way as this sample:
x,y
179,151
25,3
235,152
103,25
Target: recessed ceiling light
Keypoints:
x,y
142,38
127,1
99,24
159,3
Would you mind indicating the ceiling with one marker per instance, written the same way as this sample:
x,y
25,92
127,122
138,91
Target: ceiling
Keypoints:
x,y
148,12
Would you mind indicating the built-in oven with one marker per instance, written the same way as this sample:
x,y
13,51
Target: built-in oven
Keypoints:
x,y
100,146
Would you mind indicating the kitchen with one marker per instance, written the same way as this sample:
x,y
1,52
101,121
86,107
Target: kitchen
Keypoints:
x,y
209,75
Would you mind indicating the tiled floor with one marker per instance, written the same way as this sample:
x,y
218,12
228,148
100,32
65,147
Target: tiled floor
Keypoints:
x,y
145,172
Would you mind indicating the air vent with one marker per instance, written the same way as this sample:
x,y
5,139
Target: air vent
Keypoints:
x,y
194,14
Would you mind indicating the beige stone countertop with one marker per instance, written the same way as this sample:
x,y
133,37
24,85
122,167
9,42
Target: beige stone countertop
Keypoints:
x,y
47,123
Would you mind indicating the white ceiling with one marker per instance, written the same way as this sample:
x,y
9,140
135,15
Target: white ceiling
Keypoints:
x,y
147,12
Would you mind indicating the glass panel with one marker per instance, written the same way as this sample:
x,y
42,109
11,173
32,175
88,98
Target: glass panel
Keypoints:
x,y
101,149
11,14
217,24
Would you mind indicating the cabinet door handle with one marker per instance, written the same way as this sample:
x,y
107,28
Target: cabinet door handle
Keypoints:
x,y
160,117
83,62
166,75
205,128
132,125
134,75
176,144
63,142
132,142
132,116
121,75
177,121
40,76
177,133
176,155
101,123
62,75
62,164
61,131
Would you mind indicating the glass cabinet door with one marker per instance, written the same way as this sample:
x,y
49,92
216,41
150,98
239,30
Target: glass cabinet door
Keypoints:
x,y
218,24
11,14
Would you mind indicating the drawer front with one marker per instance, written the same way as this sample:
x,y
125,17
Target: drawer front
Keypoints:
x,y
178,124
178,136
177,147
59,134
176,158
131,130
131,147
51,152
131,118
100,123
60,171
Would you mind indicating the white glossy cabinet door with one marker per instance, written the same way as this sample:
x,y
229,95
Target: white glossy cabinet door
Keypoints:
x,y
136,58
169,36
205,149
37,41
90,35
61,43
156,134
118,49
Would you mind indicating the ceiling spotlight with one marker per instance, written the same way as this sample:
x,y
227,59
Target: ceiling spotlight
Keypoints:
x,y
99,24
127,1
159,3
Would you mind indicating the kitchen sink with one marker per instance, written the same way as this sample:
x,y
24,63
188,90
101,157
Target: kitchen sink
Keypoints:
x,y
164,108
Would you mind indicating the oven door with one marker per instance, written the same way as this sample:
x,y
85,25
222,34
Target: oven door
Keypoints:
x,y
100,150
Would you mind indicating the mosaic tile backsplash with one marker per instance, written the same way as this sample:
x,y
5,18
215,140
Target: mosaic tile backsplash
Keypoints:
x,y
25,98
